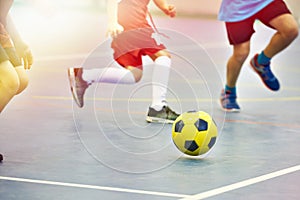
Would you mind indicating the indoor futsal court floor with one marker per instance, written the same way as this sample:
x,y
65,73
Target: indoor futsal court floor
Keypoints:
x,y
54,150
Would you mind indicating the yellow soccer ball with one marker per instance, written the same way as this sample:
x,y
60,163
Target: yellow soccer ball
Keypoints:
x,y
194,133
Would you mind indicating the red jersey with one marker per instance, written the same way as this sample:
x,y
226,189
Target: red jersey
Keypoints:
x,y
132,14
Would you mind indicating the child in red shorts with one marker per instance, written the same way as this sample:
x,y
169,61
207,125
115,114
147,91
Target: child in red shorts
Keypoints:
x,y
239,17
133,38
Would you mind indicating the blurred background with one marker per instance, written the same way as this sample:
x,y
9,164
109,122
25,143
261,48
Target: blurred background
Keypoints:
x,y
187,7
61,25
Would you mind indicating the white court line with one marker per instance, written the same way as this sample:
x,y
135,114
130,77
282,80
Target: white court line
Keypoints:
x,y
241,184
199,196
113,189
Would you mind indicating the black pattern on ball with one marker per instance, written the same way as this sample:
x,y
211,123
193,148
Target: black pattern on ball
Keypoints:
x,y
212,142
201,125
191,145
179,126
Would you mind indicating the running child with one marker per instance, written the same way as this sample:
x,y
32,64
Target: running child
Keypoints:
x,y
133,37
239,17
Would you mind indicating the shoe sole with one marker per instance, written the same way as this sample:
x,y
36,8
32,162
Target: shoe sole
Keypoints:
x,y
159,120
72,82
255,70
232,110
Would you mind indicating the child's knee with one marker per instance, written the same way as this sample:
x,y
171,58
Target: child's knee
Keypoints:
x,y
241,56
10,83
24,80
137,74
241,51
292,32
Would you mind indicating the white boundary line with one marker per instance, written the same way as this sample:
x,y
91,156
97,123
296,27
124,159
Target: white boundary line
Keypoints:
x,y
241,184
199,196
114,189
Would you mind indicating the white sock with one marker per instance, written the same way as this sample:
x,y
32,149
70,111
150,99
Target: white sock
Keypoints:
x,y
108,75
160,79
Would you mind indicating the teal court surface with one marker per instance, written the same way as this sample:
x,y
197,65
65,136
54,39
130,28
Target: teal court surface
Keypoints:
x,y
106,150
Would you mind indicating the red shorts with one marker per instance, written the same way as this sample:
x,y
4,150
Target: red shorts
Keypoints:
x,y
130,46
239,32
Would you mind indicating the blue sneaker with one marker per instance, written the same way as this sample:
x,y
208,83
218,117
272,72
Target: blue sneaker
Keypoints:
x,y
228,102
265,73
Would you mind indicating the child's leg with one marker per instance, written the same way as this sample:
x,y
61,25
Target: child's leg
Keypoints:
x,y
234,65
13,78
130,72
109,75
23,78
9,83
235,62
159,111
81,78
278,16
18,67
160,79
287,31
